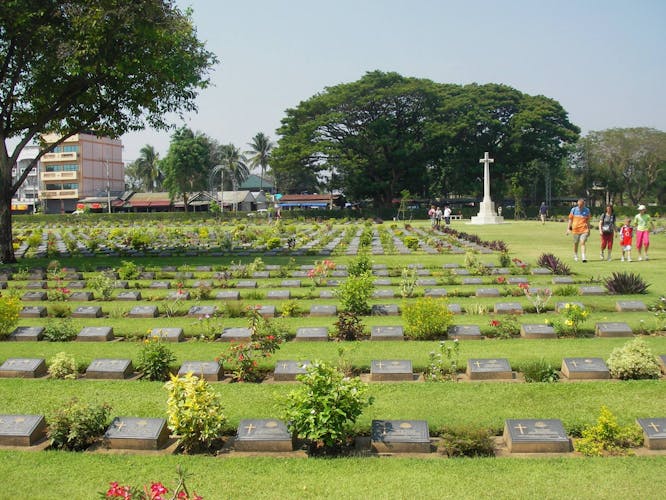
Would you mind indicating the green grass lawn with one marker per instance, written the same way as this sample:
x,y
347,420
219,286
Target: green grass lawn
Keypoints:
x,y
48,475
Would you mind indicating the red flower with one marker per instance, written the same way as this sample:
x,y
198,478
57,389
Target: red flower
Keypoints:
x,y
158,489
495,323
524,286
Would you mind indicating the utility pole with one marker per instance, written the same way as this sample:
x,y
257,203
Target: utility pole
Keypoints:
x,y
108,186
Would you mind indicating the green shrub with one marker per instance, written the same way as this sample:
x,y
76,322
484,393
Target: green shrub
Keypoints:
x,y
634,360
273,243
63,366
411,242
59,330
128,271
566,291
360,266
76,425
625,283
324,408
102,285
155,360
194,413
443,363
607,437
539,371
355,292
349,326
10,307
407,282
467,442
291,309
426,318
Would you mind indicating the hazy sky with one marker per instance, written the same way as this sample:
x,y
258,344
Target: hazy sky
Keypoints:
x,y
603,60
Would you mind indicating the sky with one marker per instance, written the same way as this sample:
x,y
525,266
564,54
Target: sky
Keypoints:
x,y
603,60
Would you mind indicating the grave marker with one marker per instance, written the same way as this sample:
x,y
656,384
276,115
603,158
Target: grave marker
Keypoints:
x,y
435,292
228,295
592,290
81,296
630,306
563,280
173,334
132,433
613,329
508,308
160,285
383,294
585,369
654,432
400,436
210,371
117,369
561,306
87,312
95,334
27,333
246,284
286,370
487,292
33,312
144,312
464,332
290,283
278,295
238,334
202,311
23,368
489,369
129,296
472,281
263,435
21,430
387,333
537,331
536,436
34,296
323,310
661,359
391,370
385,310
311,334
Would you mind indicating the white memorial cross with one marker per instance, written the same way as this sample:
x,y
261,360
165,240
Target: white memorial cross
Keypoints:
x,y
486,160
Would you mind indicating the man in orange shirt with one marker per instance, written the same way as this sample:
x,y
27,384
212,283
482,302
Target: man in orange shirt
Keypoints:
x,y
579,226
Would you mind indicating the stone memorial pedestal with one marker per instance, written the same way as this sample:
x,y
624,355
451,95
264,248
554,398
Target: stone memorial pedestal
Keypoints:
x,y
33,312
27,333
464,332
130,433
385,310
115,369
34,296
239,334
290,283
563,280
311,334
454,308
585,369
435,292
21,430
538,331
654,432
630,306
87,312
228,295
263,435
323,311
508,308
95,334
487,292
143,312
382,282
129,296
400,436
81,296
592,290
286,370
246,284
536,436
489,369
160,285
174,334
202,311
278,295
383,294
210,371
613,329
472,281
387,333
267,311
23,368
391,370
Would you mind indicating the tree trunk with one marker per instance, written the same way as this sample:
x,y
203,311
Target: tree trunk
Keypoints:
x,y
6,244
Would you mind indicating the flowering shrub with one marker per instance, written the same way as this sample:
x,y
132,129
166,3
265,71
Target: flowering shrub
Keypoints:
x,y
194,412
10,306
505,328
58,294
427,318
633,361
607,437
154,491
102,285
574,315
155,359
539,297
407,282
321,271
443,364
323,409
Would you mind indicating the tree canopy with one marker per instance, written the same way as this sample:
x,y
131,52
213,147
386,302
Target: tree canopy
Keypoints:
x,y
385,133
108,66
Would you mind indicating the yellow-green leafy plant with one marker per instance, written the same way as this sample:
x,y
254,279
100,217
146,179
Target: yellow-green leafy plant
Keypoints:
x,y
426,318
194,413
634,360
407,282
63,366
10,307
607,437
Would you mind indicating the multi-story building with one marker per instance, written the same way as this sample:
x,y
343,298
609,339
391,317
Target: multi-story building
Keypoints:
x,y
83,166
27,196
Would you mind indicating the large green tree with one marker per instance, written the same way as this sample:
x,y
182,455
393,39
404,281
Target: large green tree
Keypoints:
x,y
144,172
234,163
108,66
261,147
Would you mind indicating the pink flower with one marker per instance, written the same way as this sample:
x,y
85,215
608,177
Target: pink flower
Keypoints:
x,y
495,323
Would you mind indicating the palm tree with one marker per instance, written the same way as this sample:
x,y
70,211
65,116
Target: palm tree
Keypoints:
x,y
147,168
234,163
261,146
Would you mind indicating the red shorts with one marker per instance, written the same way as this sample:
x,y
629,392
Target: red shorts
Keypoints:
x,y
607,240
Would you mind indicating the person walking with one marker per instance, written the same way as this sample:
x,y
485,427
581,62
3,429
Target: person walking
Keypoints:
x,y
642,223
626,236
607,230
447,215
431,215
543,212
579,226
438,217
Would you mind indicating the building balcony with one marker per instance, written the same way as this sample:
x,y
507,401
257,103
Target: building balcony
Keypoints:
x,y
59,194
53,157
59,176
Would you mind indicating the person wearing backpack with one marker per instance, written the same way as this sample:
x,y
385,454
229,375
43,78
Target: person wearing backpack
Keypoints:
x,y
607,230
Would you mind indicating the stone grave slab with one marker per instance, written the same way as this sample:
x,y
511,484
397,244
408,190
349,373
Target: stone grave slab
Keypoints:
x,y
246,284
121,285
81,296
160,285
87,312
259,275
332,282
299,274
27,333
129,296
202,284
339,273
33,312
387,333
144,312
537,331
22,430
173,334
147,275
23,368
451,265
95,334
210,371
654,432
472,281
323,310
464,332
391,370
267,311
383,294
326,294
228,295
585,369
76,285
500,270
105,368
236,334
290,283
563,280
382,273
592,290
508,308
561,306
541,271
454,308
131,433
178,295
278,295
202,311
382,282
3,285
630,306
489,369
37,274
400,436
613,329
461,272
517,280
385,310
286,370
536,436
487,292
435,292
311,334
426,282
263,435
37,285
423,272
34,296
661,359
